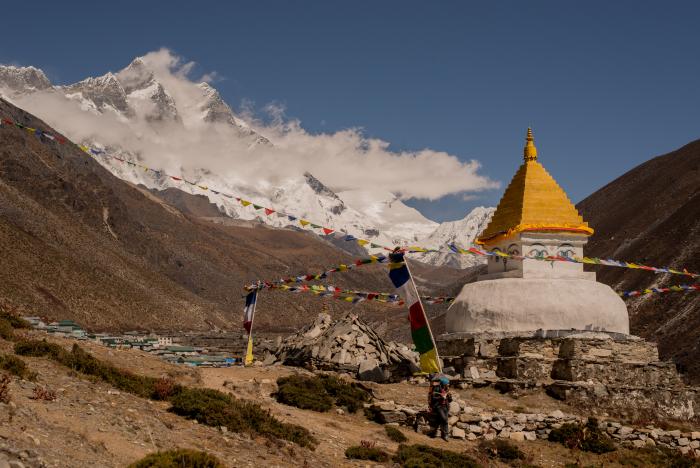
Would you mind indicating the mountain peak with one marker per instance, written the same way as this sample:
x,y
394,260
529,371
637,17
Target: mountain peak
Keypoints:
x,y
23,79
136,75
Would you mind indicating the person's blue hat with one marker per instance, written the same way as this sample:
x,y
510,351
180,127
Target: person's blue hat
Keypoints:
x,y
444,380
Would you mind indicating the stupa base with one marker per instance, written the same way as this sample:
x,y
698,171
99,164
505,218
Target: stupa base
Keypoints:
x,y
528,306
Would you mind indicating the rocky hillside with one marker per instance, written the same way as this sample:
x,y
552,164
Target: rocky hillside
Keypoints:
x,y
651,215
77,242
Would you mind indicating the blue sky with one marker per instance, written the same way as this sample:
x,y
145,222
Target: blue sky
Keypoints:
x,y
605,85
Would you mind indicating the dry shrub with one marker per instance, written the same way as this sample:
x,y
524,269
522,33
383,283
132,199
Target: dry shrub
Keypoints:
x,y
587,437
15,366
164,388
424,456
5,380
367,453
367,443
43,393
395,434
320,392
180,458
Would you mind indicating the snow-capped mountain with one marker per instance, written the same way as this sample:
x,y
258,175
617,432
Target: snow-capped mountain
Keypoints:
x,y
19,80
463,233
150,103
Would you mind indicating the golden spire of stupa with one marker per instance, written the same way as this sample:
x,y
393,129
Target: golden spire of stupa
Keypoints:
x,y
533,201
530,151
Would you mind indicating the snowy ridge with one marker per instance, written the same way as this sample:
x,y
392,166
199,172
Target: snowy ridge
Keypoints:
x,y
463,233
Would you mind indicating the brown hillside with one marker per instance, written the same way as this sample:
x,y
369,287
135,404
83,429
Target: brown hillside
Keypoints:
x,y
78,243
651,215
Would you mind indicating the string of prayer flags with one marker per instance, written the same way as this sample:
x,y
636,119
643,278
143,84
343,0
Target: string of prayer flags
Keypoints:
x,y
584,260
319,276
678,288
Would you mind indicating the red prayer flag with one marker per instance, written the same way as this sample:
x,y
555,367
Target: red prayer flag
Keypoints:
x,y
175,178
327,231
268,211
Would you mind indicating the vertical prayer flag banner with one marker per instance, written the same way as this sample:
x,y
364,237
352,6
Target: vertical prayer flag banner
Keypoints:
x,y
248,315
420,329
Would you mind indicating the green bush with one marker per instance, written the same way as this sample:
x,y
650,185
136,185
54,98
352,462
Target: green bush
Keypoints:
x,y
39,348
320,392
423,456
15,366
6,330
215,408
587,437
180,458
15,321
395,434
367,453
501,448
303,392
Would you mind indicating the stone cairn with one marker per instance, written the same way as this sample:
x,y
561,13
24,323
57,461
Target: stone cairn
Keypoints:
x,y
345,345
469,423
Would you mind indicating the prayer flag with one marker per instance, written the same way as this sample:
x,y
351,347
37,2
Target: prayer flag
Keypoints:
x,y
248,315
420,328
327,231
245,202
268,211
257,207
173,177
362,242
304,222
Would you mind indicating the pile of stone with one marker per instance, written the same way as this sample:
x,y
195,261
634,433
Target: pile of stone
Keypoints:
x,y
346,345
469,423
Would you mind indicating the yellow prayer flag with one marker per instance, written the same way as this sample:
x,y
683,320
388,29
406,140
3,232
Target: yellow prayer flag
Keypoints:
x,y
362,242
203,187
245,202
304,222
249,351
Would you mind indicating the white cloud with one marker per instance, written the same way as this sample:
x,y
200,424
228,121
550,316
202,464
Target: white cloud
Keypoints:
x,y
343,160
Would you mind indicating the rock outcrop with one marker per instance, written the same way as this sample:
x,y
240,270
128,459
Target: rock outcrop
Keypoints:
x,y
346,345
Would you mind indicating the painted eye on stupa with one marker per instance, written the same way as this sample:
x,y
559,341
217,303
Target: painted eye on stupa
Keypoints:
x,y
538,253
568,253
566,250
513,250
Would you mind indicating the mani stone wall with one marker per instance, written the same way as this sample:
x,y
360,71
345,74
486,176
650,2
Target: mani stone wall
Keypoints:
x,y
616,374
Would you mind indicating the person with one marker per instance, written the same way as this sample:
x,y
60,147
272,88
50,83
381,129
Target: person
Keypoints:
x,y
439,399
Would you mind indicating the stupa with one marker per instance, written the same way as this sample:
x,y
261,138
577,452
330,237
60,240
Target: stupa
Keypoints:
x,y
536,218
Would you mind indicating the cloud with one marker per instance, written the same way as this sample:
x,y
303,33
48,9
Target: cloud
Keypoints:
x,y
343,160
